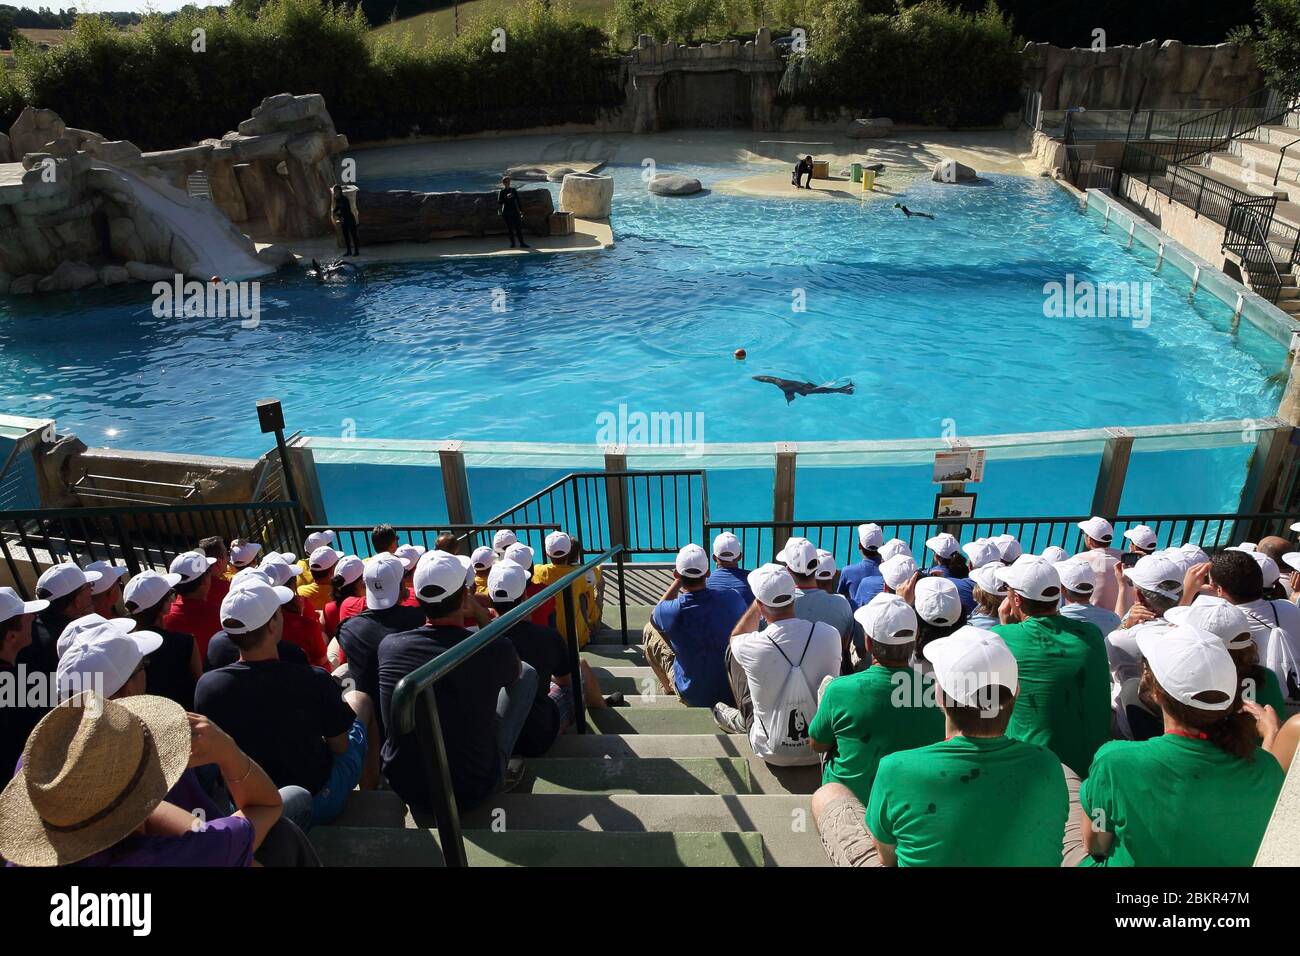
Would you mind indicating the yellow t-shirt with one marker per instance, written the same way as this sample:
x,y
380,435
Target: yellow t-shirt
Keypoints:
x,y
480,583
316,595
304,574
583,599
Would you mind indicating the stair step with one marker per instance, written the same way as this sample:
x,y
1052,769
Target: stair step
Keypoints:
x,y
646,775
373,808
379,846
630,681
783,820
650,745
675,719
613,655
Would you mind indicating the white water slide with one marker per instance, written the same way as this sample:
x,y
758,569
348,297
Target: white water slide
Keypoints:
x,y
222,250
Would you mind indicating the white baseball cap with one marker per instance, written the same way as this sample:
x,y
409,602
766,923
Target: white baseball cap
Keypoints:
x,y
109,574
1154,572
887,619
799,555
1143,536
937,601
825,565
87,623
726,546
971,659
502,540
1076,575
383,576
520,553
277,570
772,585
892,547
982,551
1008,546
1054,554
105,653
324,558
349,568
244,552
507,582
410,555
1033,580
11,605
1188,661
557,544
1216,616
1098,529
191,565
319,539
63,579
691,562
251,605
1267,566
1250,547
147,588
897,571
870,535
943,544
483,558
989,582
253,575
439,575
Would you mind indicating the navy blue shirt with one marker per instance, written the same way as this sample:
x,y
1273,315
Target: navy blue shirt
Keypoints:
x,y
467,711
698,625
222,652
360,636
965,586
280,714
732,579
852,575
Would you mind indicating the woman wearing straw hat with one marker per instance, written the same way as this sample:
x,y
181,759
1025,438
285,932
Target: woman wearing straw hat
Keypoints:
x,y
93,781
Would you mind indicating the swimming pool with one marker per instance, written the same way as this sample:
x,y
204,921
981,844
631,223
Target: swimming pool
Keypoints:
x,y
939,324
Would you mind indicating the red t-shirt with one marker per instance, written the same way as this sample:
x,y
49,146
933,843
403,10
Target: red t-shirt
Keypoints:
x,y
217,592
305,632
541,616
200,619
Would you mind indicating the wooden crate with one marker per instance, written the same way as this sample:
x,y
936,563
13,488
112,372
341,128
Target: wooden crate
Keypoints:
x,y
821,169
561,224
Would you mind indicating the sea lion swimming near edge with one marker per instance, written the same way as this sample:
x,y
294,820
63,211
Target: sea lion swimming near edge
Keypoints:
x,y
792,388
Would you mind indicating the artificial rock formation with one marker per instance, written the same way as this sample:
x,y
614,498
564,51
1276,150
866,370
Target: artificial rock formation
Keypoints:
x,y
673,184
403,215
587,195
78,209
951,171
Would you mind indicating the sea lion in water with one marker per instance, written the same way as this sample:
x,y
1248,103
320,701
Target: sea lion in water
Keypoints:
x,y
792,388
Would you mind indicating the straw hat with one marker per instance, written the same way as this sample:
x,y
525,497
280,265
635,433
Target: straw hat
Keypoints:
x,y
93,770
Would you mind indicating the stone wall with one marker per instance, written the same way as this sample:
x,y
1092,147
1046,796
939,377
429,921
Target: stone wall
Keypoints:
x,y
1168,75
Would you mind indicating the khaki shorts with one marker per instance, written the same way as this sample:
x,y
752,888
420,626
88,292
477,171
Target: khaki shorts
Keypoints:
x,y
657,649
845,836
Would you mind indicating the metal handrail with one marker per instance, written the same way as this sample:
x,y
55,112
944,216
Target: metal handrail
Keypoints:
x,y
419,685
1251,225
1282,159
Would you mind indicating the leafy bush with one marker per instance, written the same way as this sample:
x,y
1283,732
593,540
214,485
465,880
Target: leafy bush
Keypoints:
x,y
687,20
1276,39
926,63
152,88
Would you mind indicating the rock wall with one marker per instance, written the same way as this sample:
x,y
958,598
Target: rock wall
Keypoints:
x,y
1168,75
402,215
78,209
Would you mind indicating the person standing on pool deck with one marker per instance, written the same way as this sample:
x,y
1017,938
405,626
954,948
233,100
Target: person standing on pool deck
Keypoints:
x,y
512,212
346,220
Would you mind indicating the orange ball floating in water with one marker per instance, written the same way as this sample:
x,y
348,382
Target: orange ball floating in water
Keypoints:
x,y
740,355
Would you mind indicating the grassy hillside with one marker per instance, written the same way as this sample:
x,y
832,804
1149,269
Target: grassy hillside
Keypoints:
x,y
440,23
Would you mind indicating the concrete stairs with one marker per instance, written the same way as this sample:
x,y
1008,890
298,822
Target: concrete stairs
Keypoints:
x,y
1250,166
654,783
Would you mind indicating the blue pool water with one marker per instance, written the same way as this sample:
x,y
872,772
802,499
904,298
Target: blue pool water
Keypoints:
x,y
939,324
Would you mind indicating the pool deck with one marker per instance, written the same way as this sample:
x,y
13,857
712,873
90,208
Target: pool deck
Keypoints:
x,y
907,155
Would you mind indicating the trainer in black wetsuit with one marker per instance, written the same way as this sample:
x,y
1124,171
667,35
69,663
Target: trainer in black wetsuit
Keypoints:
x,y
347,222
801,169
512,212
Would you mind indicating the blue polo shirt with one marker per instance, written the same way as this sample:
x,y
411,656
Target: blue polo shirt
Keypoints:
x,y
867,588
732,579
965,586
851,576
698,625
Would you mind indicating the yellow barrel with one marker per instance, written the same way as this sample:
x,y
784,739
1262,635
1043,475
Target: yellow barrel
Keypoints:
x,y
868,180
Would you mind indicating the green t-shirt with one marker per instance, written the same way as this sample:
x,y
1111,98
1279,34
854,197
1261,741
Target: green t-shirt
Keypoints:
x,y
1064,699
1175,801
870,715
1265,690
971,801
